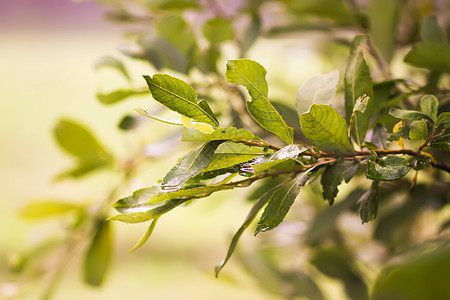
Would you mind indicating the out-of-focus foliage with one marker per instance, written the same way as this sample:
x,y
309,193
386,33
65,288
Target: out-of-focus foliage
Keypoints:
x,y
383,131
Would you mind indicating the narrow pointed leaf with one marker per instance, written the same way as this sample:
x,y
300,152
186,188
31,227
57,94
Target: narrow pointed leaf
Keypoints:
x,y
117,96
227,160
387,168
137,202
325,129
225,133
146,236
179,96
429,106
285,153
319,89
333,175
98,256
248,220
140,217
144,113
358,82
253,76
46,209
280,203
418,130
189,165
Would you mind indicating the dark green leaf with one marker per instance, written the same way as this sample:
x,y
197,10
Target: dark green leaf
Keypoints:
x,y
319,89
358,82
248,220
217,30
119,95
46,209
444,119
325,129
333,175
146,236
189,165
368,203
418,130
253,76
430,55
111,62
128,123
98,256
429,106
387,168
430,30
279,204
179,96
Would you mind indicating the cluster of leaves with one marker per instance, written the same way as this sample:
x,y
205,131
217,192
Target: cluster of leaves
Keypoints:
x,y
329,142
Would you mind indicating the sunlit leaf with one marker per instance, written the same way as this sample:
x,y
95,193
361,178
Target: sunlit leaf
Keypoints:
x,y
137,202
144,216
180,97
189,165
405,114
358,82
225,133
418,130
319,89
46,209
391,167
226,160
98,256
368,203
146,236
285,153
119,95
325,129
253,76
333,175
429,106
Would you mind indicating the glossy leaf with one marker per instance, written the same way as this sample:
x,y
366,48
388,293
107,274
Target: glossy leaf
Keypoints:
x,y
189,165
429,106
227,160
137,202
285,153
358,82
114,63
225,133
98,256
146,236
217,30
387,168
418,130
46,209
405,114
368,203
280,203
383,16
319,89
117,96
180,97
187,194
325,129
253,76
248,220
144,216
333,175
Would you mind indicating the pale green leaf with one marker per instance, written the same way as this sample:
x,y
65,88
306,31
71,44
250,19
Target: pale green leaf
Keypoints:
x,y
444,119
144,216
119,95
225,133
46,209
279,204
180,97
361,104
144,113
98,256
188,194
137,202
253,76
114,63
358,82
217,30
325,129
319,89
430,30
285,153
333,175
227,160
146,236
405,114
429,106
387,168
189,165
418,130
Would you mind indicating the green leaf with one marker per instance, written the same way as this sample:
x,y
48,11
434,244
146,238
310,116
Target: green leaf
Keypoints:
x,y
111,62
383,16
418,130
325,129
119,95
405,114
187,194
217,30
285,153
128,123
225,133
248,220
137,202
387,168
144,216
279,204
430,30
361,104
368,203
333,175
179,96
146,236
319,89
46,209
444,119
144,113
253,76
98,256
358,82
430,55
429,106
227,160
189,165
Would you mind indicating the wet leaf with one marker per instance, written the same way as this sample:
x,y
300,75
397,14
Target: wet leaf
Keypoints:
x,y
253,76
